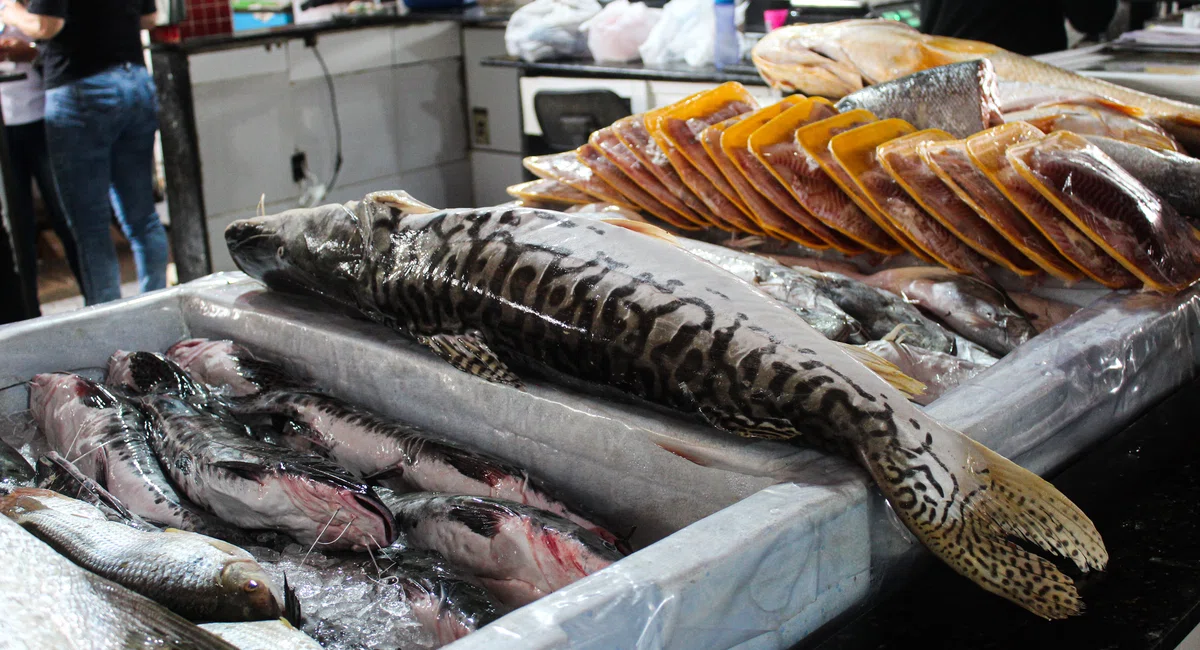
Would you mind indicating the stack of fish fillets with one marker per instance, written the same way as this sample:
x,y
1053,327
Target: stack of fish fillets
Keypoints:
x,y
212,440
925,165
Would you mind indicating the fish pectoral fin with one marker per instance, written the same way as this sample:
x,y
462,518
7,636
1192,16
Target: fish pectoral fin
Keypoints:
x,y
886,370
967,504
470,353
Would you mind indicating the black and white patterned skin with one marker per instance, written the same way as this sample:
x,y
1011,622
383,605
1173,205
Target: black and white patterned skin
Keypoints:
x,y
614,308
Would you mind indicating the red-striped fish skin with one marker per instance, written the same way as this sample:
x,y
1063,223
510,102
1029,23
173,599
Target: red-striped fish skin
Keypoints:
x,y
903,163
612,174
769,217
1119,214
987,152
954,167
632,132
685,135
813,189
680,215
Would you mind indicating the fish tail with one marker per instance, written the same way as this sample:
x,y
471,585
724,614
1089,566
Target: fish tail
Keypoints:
x,y
886,370
968,504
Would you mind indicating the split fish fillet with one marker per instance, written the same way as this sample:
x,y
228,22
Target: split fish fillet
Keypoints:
x,y
855,151
776,150
632,132
676,213
566,168
547,191
1136,227
902,161
606,169
953,164
987,153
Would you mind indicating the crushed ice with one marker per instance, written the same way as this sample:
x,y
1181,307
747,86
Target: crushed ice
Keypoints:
x,y
345,606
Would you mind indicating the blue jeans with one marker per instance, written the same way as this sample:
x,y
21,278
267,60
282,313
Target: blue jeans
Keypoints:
x,y
101,133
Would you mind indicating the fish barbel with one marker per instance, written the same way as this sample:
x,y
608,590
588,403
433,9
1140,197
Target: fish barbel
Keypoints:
x,y
195,576
104,436
357,439
253,484
49,602
860,52
614,308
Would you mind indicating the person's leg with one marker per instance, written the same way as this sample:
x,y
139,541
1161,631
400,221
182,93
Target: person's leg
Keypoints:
x,y
21,163
80,120
44,175
133,180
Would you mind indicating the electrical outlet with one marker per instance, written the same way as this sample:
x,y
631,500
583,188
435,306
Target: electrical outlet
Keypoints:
x,y
299,166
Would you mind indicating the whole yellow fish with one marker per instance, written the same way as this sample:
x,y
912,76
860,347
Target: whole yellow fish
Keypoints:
x,y
835,59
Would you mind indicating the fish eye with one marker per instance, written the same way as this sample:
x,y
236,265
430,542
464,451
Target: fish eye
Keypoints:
x,y
251,585
279,252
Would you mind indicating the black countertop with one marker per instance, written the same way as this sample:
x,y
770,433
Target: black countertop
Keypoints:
x,y
473,16
743,72
1142,490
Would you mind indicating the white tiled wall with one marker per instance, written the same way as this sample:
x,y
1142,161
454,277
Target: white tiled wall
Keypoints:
x,y
400,100
491,173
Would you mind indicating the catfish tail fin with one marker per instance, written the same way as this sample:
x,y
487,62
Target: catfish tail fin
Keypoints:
x,y
967,504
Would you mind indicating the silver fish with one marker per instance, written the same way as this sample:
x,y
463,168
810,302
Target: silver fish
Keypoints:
x,y
447,602
978,311
253,484
961,98
880,311
517,552
360,441
195,576
263,635
105,437
616,309
49,602
939,372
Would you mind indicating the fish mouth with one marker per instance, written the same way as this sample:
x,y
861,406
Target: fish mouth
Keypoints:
x,y
373,509
349,517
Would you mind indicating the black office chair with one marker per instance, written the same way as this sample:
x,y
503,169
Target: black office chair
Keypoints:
x,y
568,117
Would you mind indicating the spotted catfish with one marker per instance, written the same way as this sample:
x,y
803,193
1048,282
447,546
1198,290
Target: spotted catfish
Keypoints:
x,y
605,306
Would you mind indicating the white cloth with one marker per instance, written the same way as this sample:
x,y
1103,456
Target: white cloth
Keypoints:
x,y
22,101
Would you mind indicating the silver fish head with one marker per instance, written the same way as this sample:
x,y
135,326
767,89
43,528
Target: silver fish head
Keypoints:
x,y
317,250
150,372
248,593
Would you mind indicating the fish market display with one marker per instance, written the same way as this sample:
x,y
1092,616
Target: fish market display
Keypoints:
x,y
960,98
49,602
519,553
262,635
975,309
446,601
197,577
105,437
610,308
257,485
358,440
912,159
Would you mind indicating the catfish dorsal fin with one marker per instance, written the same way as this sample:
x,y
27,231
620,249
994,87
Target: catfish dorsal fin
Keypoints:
x,y
642,227
470,353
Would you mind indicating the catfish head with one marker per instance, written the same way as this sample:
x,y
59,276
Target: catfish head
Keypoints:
x,y
313,250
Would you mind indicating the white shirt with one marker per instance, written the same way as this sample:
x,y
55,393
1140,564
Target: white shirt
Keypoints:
x,y
22,101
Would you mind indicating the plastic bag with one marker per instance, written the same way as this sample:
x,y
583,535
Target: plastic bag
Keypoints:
x,y
616,33
547,29
685,32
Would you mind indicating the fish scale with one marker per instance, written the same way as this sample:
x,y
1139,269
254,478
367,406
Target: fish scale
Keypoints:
x,y
645,317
